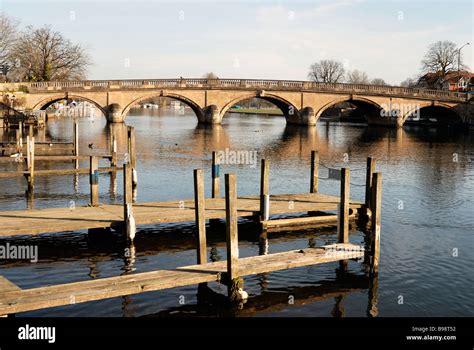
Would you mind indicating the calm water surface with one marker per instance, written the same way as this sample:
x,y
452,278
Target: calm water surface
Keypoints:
x,y
427,217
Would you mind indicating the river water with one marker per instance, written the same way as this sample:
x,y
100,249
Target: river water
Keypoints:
x,y
427,239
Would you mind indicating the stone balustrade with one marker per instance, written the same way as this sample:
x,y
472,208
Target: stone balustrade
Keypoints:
x,y
289,85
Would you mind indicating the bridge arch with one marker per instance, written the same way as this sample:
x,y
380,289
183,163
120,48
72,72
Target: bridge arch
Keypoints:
x,y
288,109
436,108
187,101
360,102
45,103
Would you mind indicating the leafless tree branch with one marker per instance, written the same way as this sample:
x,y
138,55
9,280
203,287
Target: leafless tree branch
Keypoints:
x,y
326,71
42,54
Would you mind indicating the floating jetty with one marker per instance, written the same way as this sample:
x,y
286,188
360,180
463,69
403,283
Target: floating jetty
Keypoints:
x,y
37,221
13,118
31,158
260,208
14,299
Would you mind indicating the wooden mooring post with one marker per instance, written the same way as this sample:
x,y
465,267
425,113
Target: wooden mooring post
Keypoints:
x,y
113,151
76,143
30,199
368,180
265,190
94,180
234,283
372,305
376,207
113,163
200,214
314,171
19,141
30,162
216,182
343,215
132,154
129,221
343,212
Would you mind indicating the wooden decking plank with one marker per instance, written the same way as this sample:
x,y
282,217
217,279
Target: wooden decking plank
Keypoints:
x,y
7,286
38,298
77,292
64,219
101,283
6,159
9,174
276,225
112,287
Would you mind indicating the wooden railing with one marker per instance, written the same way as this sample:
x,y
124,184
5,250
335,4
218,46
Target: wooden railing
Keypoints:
x,y
235,84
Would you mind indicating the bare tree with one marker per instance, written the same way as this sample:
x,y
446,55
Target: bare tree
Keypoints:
x,y
442,58
210,75
409,82
43,54
378,81
7,37
326,71
357,77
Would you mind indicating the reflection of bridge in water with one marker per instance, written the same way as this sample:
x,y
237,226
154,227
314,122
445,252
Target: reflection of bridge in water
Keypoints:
x,y
330,140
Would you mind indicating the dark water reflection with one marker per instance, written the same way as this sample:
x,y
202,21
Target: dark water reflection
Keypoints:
x,y
427,214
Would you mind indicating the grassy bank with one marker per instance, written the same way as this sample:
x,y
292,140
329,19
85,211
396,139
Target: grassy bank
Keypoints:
x,y
268,111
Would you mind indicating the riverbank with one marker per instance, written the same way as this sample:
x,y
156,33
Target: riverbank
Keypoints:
x,y
267,111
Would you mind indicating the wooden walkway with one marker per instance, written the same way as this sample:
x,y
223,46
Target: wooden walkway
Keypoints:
x,y
13,299
37,221
58,158
48,172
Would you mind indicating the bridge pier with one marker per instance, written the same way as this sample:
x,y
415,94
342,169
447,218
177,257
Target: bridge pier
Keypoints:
x,y
210,115
307,116
304,117
114,114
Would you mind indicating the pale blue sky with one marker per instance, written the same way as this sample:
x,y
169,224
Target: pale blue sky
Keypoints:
x,y
251,39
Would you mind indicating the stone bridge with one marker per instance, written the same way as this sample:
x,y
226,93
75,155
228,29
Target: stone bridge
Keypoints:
x,y
302,102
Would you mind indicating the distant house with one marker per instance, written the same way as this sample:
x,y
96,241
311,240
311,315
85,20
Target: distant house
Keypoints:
x,y
470,86
429,81
461,81
466,84
455,81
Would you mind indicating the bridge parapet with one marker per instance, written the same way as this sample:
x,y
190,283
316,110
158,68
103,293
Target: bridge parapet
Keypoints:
x,y
240,84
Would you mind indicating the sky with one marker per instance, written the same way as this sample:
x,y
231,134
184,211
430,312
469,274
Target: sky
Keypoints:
x,y
264,39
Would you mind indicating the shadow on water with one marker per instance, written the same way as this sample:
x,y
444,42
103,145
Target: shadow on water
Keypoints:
x,y
109,244
213,304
